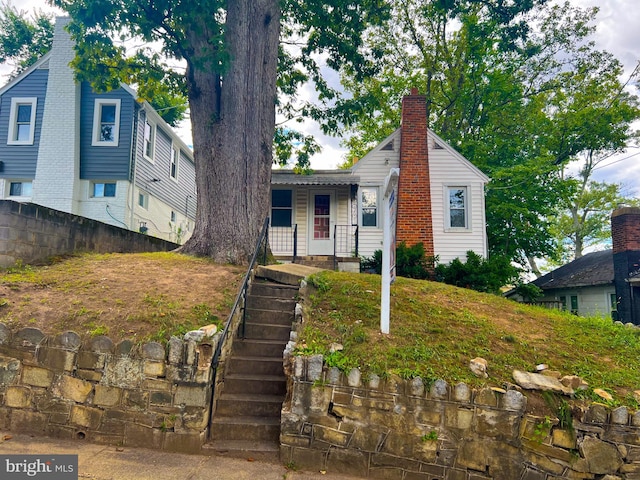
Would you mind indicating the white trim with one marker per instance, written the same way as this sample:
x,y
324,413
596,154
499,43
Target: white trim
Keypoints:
x,y
10,181
467,208
13,120
376,189
97,122
152,139
174,159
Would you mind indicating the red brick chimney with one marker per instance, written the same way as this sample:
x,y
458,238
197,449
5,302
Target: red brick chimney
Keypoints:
x,y
625,233
625,229
414,220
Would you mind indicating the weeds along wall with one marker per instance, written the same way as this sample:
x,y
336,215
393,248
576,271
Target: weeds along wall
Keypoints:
x,y
403,429
148,395
31,233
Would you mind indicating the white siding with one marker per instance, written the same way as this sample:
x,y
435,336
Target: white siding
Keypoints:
x,y
301,206
447,168
372,169
592,301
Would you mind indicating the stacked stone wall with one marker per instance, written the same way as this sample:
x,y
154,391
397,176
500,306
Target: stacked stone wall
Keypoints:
x,y
31,233
148,395
403,429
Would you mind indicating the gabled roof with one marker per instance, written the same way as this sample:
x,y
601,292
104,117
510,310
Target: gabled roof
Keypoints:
x,y
25,73
590,270
433,137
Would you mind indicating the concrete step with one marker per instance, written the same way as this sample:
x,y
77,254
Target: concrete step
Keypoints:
x,y
255,384
288,274
270,317
246,428
248,449
267,331
274,290
256,365
238,404
248,347
263,302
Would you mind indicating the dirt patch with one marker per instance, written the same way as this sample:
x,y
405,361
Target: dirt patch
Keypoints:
x,y
134,296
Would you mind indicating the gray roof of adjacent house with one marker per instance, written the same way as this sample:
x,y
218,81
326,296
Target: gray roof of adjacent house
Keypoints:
x,y
590,270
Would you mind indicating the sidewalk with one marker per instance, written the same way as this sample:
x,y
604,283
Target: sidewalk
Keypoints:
x,y
106,462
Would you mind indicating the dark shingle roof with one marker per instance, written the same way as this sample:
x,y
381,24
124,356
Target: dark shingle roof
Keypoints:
x,y
592,269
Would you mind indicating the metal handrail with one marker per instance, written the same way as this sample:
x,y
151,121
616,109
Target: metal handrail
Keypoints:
x,y
295,243
242,294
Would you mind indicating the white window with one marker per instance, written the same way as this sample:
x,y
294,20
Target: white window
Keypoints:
x,y
106,122
104,190
149,140
20,189
175,158
458,208
22,121
369,207
143,200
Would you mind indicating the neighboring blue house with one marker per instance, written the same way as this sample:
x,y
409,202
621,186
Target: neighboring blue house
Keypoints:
x,y
108,157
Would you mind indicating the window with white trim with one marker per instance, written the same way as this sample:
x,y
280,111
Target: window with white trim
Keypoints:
x,y
106,122
149,140
22,121
281,208
175,158
143,200
104,190
369,206
20,189
457,208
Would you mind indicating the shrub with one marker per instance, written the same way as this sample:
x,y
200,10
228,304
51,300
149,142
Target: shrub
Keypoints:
x,y
411,262
478,273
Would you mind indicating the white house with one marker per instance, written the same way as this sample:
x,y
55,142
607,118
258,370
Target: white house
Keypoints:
x,y
108,157
338,212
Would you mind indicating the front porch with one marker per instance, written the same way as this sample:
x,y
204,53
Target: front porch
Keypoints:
x,y
283,242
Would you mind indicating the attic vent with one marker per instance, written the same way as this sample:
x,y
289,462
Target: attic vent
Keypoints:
x,y
388,146
437,146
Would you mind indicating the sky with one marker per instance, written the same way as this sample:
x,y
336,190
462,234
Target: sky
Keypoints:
x,y
617,31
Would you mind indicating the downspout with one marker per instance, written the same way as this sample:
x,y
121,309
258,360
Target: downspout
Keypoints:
x,y
134,164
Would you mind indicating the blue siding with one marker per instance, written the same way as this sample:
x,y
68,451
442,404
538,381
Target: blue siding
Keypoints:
x,y
20,160
179,195
105,162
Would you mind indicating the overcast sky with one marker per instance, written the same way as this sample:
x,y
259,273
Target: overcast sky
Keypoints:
x,y
618,31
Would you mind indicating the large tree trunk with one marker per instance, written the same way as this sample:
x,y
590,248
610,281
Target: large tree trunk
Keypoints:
x,y
233,119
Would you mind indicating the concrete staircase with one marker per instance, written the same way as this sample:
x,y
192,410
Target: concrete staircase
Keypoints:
x,y
246,420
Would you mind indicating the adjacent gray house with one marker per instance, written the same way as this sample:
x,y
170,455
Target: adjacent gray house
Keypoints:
x,y
104,156
584,286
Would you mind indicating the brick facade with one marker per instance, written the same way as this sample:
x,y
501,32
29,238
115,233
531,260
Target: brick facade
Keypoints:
x,y
625,229
414,220
58,167
625,232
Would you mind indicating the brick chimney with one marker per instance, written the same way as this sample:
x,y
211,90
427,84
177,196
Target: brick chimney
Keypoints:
x,y
625,232
414,220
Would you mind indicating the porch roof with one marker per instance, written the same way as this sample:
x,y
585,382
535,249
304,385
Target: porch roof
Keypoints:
x,y
318,177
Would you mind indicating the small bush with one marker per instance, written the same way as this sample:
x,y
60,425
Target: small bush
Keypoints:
x,y
478,273
411,262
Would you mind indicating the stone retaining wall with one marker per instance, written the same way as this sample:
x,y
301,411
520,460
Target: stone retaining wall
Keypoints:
x,y
401,429
125,394
31,233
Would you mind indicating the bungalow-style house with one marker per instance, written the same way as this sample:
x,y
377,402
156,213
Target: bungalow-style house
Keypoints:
x,y
104,156
605,283
337,213
584,286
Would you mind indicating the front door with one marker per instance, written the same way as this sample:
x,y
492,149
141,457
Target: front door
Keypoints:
x,y
321,221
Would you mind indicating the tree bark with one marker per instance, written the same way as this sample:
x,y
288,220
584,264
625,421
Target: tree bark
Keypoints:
x,y
232,112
